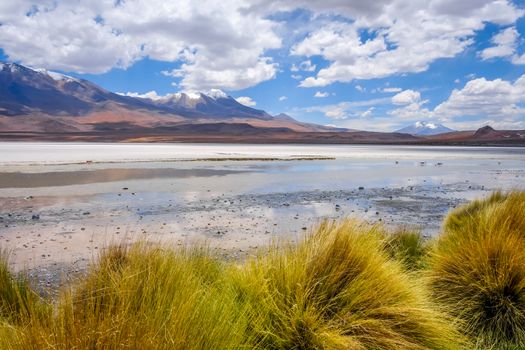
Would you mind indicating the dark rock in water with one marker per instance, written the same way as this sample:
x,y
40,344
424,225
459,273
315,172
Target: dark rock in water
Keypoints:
x,y
86,213
361,188
125,188
35,217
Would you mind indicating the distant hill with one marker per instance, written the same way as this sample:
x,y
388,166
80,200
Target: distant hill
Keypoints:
x,y
424,128
484,135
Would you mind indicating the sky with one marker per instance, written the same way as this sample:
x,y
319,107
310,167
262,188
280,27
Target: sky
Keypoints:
x,y
375,65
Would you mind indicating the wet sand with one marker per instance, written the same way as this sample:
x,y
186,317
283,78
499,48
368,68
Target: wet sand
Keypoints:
x,y
55,217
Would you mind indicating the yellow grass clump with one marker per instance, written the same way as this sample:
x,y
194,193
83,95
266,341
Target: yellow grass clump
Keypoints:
x,y
339,289
477,270
409,247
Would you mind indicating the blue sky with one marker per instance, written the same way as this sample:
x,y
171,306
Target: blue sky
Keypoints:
x,y
378,66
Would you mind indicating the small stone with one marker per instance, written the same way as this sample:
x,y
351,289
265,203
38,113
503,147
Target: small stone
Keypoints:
x,y
35,217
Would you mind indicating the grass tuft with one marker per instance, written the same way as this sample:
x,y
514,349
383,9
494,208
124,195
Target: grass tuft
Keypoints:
x,y
407,246
338,289
477,270
18,302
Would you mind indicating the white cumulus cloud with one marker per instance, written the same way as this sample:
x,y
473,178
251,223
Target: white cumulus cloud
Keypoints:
x,y
406,97
504,44
320,94
219,44
485,98
247,101
405,37
305,66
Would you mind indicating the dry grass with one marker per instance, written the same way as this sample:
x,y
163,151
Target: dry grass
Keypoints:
x,y
477,270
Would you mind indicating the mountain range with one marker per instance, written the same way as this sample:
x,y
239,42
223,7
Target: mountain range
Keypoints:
x,y
36,104
37,100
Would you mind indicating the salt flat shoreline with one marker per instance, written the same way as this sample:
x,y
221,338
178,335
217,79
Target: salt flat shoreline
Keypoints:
x,y
71,153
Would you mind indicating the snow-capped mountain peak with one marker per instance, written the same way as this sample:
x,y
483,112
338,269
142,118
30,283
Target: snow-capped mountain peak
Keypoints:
x,y
422,125
424,128
55,76
216,94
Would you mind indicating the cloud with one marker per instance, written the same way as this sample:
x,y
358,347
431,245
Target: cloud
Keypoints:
x,y
360,88
336,113
497,102
218,44
247,101
367,113
486,99
320,94
305,66
346,109
391,89
283,98
152,95
403,37
204,74
296,76
505,43
406,97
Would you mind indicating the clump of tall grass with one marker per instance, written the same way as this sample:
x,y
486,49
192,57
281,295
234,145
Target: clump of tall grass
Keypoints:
x,y
338,289
477,270
407,246
18,302
145,297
